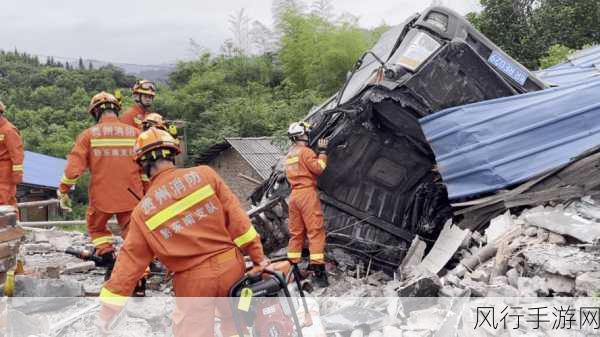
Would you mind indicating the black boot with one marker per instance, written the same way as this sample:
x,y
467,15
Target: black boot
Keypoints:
x,y
108,261
320,278
140,288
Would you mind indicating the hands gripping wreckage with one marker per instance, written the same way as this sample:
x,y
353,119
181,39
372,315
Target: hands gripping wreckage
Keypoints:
x,y
418,137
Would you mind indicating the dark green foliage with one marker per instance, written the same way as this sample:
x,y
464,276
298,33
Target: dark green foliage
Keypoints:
x,y
526,29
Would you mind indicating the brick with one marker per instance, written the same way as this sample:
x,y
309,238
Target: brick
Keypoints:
x,y
11,234
8,249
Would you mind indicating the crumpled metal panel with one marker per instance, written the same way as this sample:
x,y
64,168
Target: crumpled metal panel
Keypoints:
x,y
494,144
579,67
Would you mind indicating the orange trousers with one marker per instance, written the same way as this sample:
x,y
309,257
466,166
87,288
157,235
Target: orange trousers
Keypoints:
x,y
202,293
8,190
98,231
306,220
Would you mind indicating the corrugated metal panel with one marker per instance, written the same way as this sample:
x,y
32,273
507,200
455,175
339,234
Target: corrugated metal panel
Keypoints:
x,y
261,153
490,145
581,66
41,170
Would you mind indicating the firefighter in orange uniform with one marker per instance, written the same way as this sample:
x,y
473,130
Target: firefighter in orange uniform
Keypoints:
x,y
106,149
302,167
192,222
143,92
11,160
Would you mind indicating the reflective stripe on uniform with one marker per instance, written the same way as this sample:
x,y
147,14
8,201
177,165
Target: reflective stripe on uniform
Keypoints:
x,y
294,255
246,237
108,297
102,240
317,256
292,160
322,163
68,181
112,142
17,168
180,206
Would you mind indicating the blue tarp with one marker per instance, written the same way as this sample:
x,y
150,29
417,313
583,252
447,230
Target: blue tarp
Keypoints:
x,y
41,170
490,145
580,66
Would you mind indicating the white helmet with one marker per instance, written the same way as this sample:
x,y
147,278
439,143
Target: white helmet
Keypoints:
x,y
298,129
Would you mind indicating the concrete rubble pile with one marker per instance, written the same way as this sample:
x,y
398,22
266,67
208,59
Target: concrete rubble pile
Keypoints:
x,y
57,293
551,251
545,251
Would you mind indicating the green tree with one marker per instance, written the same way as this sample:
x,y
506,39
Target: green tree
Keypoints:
x,y
526,29
316,53
556,54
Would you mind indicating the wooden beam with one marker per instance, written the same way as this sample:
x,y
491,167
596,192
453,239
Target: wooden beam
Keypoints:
x,y
35,224
31,204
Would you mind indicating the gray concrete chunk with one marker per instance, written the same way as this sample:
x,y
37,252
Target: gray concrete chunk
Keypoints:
x,y
565,222
588,284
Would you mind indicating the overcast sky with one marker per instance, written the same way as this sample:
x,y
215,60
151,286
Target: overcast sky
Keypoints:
x,y
157,31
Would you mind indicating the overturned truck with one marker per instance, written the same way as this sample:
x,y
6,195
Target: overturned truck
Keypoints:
x,y
381,187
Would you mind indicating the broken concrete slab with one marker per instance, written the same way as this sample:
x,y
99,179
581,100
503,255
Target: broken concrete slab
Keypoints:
x,y
532,286
556,239
392,331
350,318
414,256
428,319
588,208
565,222
499,226
376,334
513,277
480,275
424,285
560,285
501,291
20,324
531,231
422,333
79,267
499,280
477,289
566,261
444,248
588,284
151,308
357,333
26,286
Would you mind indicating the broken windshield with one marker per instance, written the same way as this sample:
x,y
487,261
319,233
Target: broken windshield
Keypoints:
x,y
383,49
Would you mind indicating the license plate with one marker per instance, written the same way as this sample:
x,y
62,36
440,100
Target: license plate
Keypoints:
x,y
508,67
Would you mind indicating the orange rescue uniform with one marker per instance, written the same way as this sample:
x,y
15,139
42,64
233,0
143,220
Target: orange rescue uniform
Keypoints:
x,y
107,150
192,222
11,162
134,116
302,168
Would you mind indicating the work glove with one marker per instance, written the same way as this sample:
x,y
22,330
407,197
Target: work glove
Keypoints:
x,y
64,201
258,269
322,145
